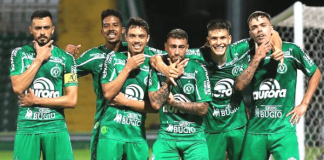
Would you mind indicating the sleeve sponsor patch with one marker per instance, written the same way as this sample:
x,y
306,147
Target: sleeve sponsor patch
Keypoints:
x,y
70,78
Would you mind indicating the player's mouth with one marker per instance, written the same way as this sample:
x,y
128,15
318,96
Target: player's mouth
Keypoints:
x,y
112,35
220,49
137,46
260,36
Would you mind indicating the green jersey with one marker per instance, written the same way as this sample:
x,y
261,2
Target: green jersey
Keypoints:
x,y
274,88
91,62
58,72
192,86
123,123
227,110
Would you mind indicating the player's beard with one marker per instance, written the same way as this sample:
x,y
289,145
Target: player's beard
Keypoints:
x,y
175,58
42,42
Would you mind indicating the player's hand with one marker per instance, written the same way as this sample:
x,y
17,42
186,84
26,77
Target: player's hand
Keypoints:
x,y
72,49
262,50
134,61
277,54
170,99
181,66
28,99
119,100
43,52
297,113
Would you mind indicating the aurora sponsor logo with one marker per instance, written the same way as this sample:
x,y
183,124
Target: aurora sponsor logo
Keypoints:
x,y
134,92
269,88
268,111
43,87
170,109
223,88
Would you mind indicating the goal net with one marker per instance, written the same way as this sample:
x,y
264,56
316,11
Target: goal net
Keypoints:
x,y
304,26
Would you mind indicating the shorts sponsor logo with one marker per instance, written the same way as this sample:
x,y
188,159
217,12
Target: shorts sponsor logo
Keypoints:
x,y
188,88
133,119
269,88
292,158
226,111
104,129
268,111
183,127
43,87
170,109
223,88
282,68
56,71
134,92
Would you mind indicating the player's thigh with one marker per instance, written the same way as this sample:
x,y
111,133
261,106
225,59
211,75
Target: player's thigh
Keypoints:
x,y
109,149
255,147
136,150
195,150
94,141
216,143
234,140
164,150
27,146
284,146
56,146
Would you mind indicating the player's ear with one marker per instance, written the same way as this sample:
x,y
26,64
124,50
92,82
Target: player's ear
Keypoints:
x,y
230,39
148,38
165,46
30,30
53,29
123,30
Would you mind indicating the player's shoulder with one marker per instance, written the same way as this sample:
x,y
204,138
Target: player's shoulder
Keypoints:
x,y
193,52
150,51
289,48
60,52
26,48
95,52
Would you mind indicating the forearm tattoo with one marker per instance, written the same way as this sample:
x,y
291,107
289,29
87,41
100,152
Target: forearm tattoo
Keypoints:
x,y
246,76
160,97
196,108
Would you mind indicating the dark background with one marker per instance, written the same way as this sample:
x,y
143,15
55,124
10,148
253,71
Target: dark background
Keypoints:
x,y
193,16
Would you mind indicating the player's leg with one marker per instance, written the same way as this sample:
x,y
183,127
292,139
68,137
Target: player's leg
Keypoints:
x,y
56,146
136,150
164,150
234,142
109,149
27,146
255,147
216,143
284,146
94,141
193,150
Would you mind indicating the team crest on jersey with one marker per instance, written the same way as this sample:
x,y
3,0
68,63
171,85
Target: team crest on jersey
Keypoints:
x,y
134,92
282,68
238,69
56,71
223,88
188,88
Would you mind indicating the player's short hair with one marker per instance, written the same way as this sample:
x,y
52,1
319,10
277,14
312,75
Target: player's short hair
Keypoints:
x,y
178,34
111,12
219,24
39,14
137,22
257,14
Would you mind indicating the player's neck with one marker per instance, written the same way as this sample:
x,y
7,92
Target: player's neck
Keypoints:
x,y
219,60
113,47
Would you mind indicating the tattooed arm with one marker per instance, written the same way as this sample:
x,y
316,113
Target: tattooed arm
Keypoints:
x,y
159,97
246,76
196,108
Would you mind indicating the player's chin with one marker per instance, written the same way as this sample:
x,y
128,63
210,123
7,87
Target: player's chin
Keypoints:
x,y
42,42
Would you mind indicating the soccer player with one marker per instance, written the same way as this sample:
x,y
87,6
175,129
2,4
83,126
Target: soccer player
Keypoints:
x,y
271,129
44,70
181,107
92,60
122,133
